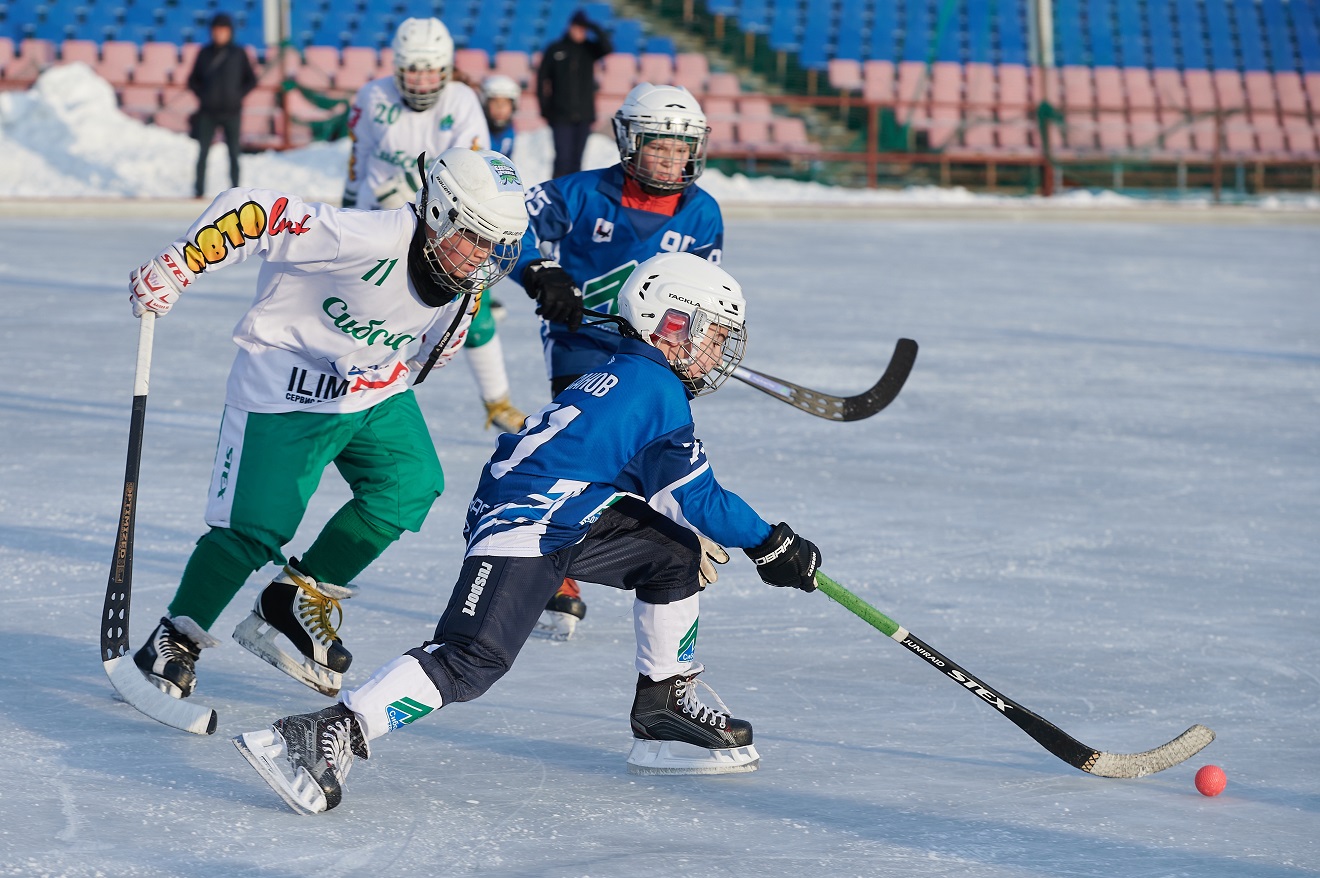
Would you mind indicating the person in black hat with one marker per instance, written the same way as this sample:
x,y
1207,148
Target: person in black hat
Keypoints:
x,y
566,87
221,77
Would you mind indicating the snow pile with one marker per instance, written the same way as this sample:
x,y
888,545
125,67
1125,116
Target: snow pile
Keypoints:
x,y
66,137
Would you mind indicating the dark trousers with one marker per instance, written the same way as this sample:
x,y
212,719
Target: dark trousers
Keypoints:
x,y
497,600
570,142
205,126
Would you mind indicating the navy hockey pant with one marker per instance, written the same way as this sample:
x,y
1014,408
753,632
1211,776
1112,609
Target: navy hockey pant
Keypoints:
x,y
497,600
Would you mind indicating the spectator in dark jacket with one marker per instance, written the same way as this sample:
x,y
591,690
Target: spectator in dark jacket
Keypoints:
x,y
566,86
221,77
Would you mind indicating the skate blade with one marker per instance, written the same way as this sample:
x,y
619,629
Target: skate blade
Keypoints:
x,y
264,751
263,640
554,625
678,757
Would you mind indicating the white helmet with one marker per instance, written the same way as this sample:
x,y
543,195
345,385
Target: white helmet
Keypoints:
x,y
500,86
422,44
472,204
695,306
651,112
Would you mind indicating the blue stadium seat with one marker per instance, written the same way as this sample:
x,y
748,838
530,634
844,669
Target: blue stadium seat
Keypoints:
x,y
659,46
1190,40
979,37
627,35
882,43
1131,39
1012,33
816,34
1069,47
1308,37
1278,36
1222,54
917,30
1162,54
947,31
1249,36
786,28
754,16
848,39
1101,32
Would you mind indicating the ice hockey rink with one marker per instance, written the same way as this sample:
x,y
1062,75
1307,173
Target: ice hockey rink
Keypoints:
x,y
1098,492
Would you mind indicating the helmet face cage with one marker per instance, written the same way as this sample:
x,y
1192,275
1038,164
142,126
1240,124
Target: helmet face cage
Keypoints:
x,y
462,260
633,134
710,346
424,98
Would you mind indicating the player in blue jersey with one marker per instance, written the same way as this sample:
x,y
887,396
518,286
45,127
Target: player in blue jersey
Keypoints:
x,y
607,482
499,98
588,232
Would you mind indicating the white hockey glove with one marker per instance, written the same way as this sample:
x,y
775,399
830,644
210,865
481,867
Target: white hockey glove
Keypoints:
x,y
157,284
712,553
396,192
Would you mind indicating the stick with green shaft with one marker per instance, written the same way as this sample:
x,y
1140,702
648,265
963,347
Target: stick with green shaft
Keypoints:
x,y
1044,732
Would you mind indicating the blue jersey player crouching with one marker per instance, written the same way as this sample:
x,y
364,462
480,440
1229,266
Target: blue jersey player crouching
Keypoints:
x,y
607,482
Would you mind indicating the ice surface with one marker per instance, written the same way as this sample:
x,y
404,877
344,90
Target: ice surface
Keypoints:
x,y
1099,491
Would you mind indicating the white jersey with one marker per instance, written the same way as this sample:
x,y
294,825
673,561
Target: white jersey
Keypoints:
x,y
388,135
336,317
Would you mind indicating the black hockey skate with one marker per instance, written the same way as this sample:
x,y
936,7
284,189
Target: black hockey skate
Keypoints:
x,y
562,612
679,734
169,657
294,626
306,757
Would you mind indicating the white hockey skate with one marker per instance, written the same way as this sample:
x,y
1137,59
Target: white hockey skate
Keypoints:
x,y
291,628
305,758
560,617
678,734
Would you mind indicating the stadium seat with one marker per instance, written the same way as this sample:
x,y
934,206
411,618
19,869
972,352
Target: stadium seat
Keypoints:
x,y
753,133
721,134
655,68
139,101
845,74
790,133
980,87
878,81
693,64
719,108
118,58
72,51
755,107
158,64
472,63
515,65
913,89
723,84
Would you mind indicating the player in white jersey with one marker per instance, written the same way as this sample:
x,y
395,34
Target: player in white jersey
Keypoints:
x,y
352,308
422,108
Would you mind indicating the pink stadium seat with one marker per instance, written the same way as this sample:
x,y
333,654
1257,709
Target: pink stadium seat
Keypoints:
x,y
1170,91
1078,90
84,51
723,84
157,66
1014,92
515,65
351,80
619,65
139,101
656,68
36,55
1301,136
845,74
118,58
719,108
1047,85
271,76
6,51
323,57
473,63
1291,92
980,87
753,133
979,135
913,89
385,62
692,63
790,133
721,134
1139,88
1229,90
187,57
1112,130
690,80
1260,90
358,58
943,126
946,86
616,81
1200,90
177,98
1145,129
878,82
754,107
1109,89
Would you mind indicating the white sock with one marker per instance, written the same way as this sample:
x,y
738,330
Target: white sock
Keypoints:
x,y
487,365
666,637
397,694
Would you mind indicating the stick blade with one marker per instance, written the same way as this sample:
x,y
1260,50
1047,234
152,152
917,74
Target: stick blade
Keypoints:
x,y
1180,749
138,693
886,390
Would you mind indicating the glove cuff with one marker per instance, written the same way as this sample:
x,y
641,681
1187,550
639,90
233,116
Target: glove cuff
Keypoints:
x,y
780,541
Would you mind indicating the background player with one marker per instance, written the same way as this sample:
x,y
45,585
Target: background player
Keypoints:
x,y
421,108
589,230
344,299
608,481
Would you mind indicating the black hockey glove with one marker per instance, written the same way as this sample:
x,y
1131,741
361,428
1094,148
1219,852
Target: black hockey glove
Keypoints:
x,y
557,298
786,559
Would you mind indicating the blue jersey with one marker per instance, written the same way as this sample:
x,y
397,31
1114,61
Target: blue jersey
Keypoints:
x,y
502,141
624,429
580,222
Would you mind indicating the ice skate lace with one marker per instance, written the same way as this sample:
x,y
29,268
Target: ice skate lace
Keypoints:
x,y
689,699
315,611
172,647
337,748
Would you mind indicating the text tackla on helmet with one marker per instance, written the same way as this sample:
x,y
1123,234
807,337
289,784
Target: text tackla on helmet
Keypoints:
x,y
472,204
697,308
651,112
423,61
499,86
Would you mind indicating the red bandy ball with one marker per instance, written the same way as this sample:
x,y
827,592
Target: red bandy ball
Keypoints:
x,y
1210,780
